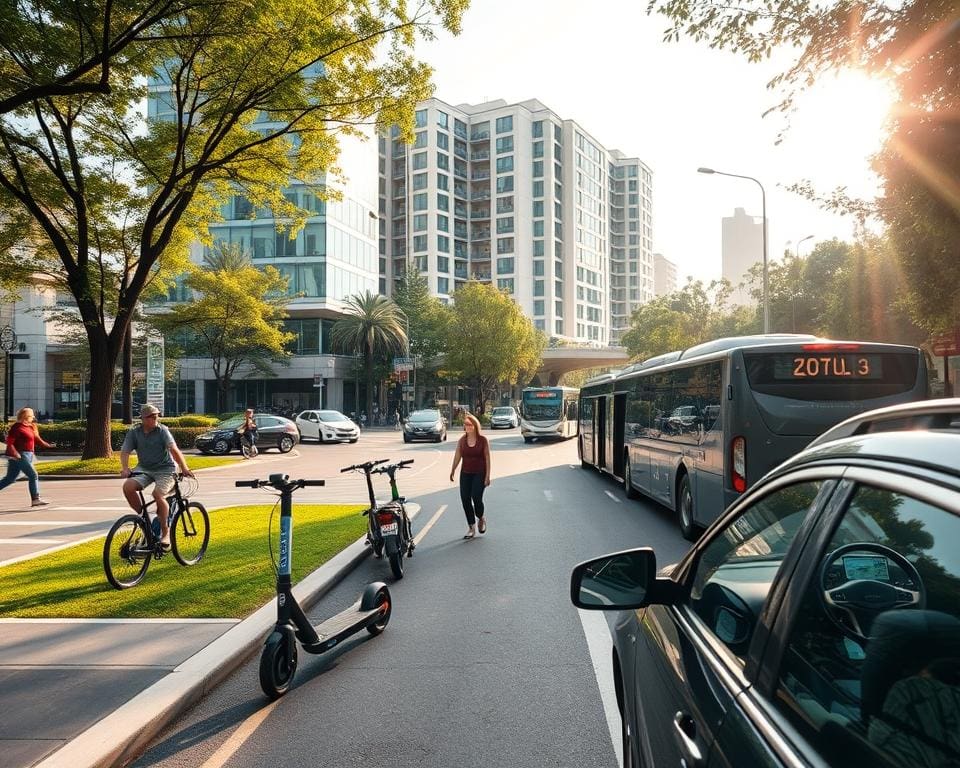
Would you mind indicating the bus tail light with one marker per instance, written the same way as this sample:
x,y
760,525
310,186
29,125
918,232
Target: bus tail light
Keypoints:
x,y
738,454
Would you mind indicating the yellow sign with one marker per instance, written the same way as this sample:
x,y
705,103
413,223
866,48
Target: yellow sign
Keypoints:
x,y
70,377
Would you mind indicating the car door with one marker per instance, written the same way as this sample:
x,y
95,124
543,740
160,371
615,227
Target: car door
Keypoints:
x,y
693,658
309,425
269,429
881,688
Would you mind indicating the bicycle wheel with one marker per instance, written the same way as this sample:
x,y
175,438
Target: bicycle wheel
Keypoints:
x,y
127,552
190,534
247,449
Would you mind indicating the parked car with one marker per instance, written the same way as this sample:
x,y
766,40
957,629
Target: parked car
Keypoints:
x,y
272,432
327,426
427,424
817,622
504,416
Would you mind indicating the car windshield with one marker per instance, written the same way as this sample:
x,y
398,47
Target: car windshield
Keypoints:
x,y
331,416
502,412
428,417
233,423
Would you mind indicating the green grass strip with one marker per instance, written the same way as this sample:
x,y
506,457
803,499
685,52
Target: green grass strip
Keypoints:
x,y
111,466
234,578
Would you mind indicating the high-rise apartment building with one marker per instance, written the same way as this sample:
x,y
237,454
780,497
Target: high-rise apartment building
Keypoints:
x,y
742,247
516,196
664,275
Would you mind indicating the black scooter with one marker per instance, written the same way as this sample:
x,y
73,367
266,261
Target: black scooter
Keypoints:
x,y
278,662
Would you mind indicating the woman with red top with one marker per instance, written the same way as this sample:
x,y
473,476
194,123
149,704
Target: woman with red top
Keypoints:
x,y
474,449
22,438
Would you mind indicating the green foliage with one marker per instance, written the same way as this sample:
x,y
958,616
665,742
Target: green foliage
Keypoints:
x,y
235,319
72,436
490,341
915,45
111,466
428,317
234,578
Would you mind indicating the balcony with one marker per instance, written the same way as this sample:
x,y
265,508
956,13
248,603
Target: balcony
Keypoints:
x,y
483,154
483,213
479,175
460,190
480,233
480,254
480,136
460,211
460,272
459,173
460,231
480,275
480,194
400,191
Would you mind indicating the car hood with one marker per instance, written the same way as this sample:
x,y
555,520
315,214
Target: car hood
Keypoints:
x,y
347,424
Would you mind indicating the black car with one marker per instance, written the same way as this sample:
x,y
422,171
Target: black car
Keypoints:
x,y
272,432
427,424
817,622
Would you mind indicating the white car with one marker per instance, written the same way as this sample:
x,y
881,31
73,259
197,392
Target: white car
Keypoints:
x,y
504,416
327,427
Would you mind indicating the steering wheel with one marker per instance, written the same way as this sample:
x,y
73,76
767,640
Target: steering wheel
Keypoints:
x,y
862,600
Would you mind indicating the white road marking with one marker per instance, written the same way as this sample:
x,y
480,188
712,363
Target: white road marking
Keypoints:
x,y
90,509
612,496
548,494
30,540
237,739
45,522
436,516
119,621
48,550
597,633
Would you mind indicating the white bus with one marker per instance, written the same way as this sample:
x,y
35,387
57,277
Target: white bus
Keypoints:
x,y
549,412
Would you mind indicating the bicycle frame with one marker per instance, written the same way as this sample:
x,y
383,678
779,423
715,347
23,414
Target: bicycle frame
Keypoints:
x,y
176,504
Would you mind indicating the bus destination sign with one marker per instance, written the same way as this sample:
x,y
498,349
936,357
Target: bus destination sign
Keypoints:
x,y
830,366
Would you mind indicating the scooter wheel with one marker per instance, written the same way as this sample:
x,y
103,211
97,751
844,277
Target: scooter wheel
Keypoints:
x,y
278,663
383,603
396,564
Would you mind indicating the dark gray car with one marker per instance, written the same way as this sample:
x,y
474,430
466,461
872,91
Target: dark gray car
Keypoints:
x,y
427,424
817,622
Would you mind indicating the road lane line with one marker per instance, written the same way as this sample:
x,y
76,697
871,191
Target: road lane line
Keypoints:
x,y
436,516
548,494
597,633
612,496
30,540
60,508
237,739
45,522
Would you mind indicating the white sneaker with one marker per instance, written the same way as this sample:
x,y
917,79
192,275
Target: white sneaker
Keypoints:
x,y
38,502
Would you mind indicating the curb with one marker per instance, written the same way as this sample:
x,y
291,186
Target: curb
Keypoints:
x,y
125,732
55,478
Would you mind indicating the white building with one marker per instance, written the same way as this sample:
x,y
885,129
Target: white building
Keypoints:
x,y
742,247
664,275
516,196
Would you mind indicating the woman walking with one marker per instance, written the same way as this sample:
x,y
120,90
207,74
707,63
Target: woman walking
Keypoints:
x,y
248,434
21,441
474,449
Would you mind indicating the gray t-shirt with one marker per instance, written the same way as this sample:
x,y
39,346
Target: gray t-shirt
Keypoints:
x,y
153,450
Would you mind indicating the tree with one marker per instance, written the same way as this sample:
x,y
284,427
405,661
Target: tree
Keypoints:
x,y
915,45
111,203
372,326
54,48
490,341
235,319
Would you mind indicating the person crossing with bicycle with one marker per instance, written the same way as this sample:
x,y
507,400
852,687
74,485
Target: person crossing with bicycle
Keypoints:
x,y
156,453
248,434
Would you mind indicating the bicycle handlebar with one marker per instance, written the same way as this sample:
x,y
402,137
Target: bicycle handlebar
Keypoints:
x,y
276,483
366,466
392,467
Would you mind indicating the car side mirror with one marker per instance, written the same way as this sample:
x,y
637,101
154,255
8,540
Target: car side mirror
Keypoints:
x,y
620,581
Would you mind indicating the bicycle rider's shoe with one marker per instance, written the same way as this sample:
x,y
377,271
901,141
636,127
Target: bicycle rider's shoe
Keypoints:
x,y
165,543
38,502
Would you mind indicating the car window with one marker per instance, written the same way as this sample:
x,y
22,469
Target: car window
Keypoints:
x,y
429,416
230,423
871,670
266,421
332,416
736,569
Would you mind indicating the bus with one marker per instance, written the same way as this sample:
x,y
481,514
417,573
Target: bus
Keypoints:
x,y
548,412
694,429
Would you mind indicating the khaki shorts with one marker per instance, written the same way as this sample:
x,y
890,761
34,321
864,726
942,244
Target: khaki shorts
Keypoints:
x,y
163,480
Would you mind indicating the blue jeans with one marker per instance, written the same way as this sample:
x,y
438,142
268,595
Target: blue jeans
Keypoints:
x,y
23,464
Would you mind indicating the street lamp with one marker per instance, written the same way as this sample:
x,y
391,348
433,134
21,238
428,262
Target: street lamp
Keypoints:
x,y
796,248
766,270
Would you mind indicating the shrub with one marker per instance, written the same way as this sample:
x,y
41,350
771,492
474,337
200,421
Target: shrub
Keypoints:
x,y
71,436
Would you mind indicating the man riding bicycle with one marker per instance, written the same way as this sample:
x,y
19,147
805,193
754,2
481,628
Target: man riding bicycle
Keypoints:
x,y
248,434
156,451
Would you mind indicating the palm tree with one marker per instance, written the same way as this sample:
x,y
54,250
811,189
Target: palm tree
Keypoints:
x,y
371,324
226,257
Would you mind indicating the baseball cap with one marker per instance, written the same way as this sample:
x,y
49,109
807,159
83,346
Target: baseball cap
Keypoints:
x,y
148,410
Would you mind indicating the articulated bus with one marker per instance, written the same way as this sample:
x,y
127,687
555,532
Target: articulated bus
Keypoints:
x,y
694,429
548,412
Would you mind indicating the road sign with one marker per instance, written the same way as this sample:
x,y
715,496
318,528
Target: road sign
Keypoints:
x,y
71,377
947,345
407,387
403,364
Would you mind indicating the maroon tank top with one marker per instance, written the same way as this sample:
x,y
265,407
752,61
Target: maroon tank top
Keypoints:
x,y
474,459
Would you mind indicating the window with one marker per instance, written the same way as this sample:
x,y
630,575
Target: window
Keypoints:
x,y
443,222
749,550
419,242
421,118
537,169
505,124
538,149
538,307
538,228
504,245
443,201
420,222
505,184
443,285
538,208
538,287
538,247
420,201
443,243
419,161
443,140
443,119
443,264
880,686
505,284
504,266
419,181
505,164
443,181
443,161
538,269
538,189
537,129
420,140
505,224
504,144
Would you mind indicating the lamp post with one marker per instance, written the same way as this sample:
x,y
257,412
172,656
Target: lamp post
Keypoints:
x,y
796,249
766,270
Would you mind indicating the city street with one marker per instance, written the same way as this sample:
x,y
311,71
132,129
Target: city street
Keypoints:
x,y
484,663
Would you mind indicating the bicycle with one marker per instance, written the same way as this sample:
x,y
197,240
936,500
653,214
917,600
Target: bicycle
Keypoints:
x,y
248,446
134,539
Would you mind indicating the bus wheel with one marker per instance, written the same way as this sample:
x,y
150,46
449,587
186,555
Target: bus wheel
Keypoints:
x,y
685,510
627,482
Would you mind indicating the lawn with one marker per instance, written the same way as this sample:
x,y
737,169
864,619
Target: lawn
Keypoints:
x,y
111,466
234,578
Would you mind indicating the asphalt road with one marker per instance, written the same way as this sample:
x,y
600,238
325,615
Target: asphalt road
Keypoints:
x,y
484,663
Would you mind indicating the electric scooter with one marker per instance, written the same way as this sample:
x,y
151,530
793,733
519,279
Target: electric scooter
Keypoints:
x,y
278,662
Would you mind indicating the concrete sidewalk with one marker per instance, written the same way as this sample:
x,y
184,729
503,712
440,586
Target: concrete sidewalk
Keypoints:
x,y
79,693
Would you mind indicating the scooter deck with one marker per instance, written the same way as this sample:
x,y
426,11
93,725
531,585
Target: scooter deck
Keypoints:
x,y
339,627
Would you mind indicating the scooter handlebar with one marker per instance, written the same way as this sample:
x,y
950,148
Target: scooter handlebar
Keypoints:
x,y
367,465
247,483
313,482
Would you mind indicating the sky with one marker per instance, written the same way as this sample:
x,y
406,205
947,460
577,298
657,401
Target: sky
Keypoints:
x,y
676,106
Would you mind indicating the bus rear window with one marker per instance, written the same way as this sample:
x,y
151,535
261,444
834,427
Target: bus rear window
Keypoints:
x,y
828,375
